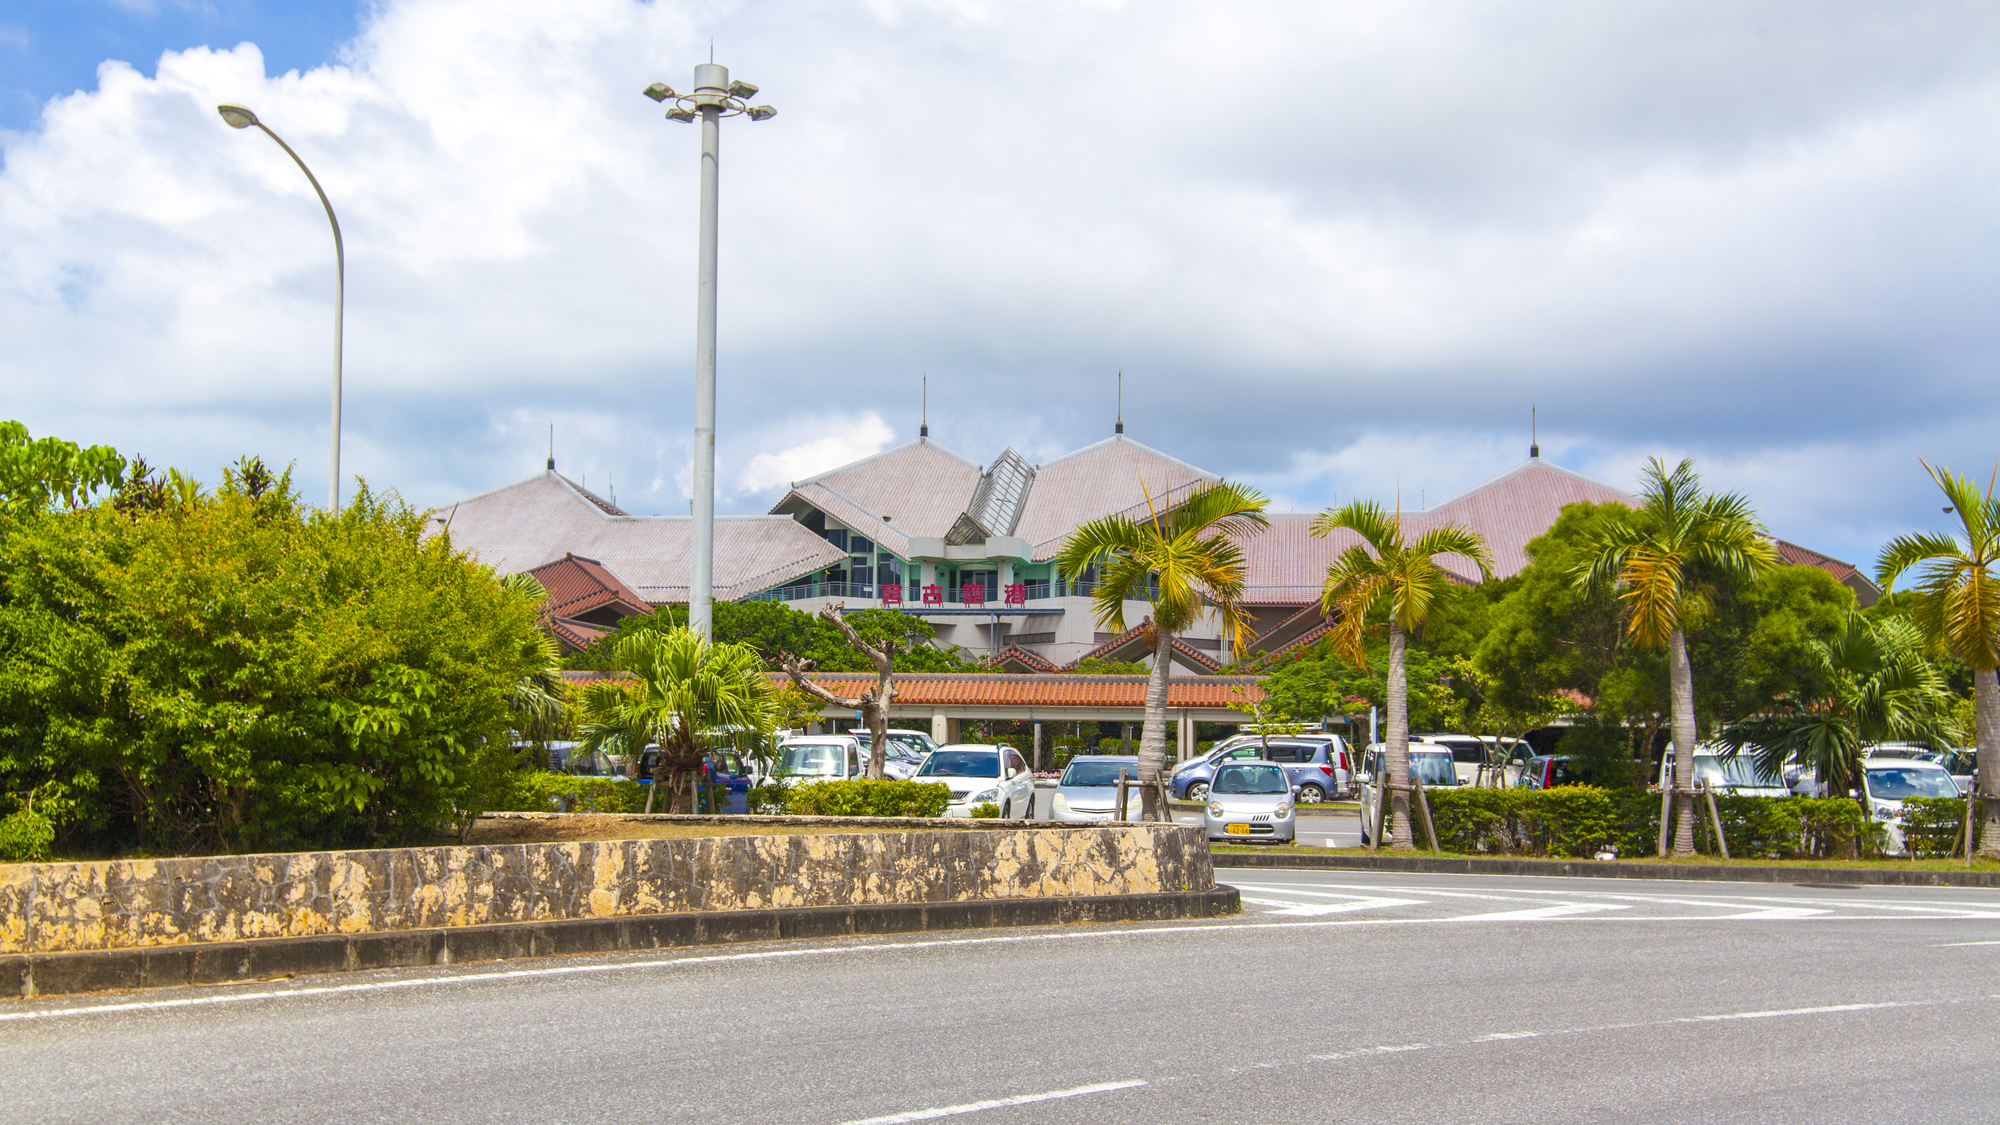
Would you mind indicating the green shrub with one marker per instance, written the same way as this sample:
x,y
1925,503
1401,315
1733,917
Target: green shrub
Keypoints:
x,y
1117,745
1834,828
986,810
25,837
868,798
1571,820
1754,827
1934,827
543,791
765,800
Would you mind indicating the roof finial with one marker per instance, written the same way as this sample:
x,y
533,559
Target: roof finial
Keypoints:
x,y
1121,403
1534,433
552,447
924,430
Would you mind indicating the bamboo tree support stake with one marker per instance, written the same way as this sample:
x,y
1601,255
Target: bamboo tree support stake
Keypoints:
x,y
1666,816
1721,843
1381,812
1166,809
1424,803
1968,824
1123,790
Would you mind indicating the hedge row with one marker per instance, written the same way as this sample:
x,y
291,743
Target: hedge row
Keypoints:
x,y
867,798
1582,820
544,791
1934,827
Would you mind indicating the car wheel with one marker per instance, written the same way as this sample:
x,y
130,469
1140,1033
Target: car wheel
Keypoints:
x,y
1198,792
1311,795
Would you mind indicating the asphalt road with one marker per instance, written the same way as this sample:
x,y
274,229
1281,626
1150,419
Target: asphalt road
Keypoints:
x,y
1386,998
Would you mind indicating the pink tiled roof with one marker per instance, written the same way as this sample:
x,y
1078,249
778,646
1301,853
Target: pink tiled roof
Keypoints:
x,y
1027,661
576,634
1121,647
527,524
1099,480
995,689
920,488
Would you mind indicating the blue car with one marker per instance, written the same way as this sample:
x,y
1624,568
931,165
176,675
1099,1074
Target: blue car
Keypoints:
x,y
1317,764
726,768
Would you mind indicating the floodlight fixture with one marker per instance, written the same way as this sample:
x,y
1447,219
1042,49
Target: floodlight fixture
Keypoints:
x,y
237,116
714,98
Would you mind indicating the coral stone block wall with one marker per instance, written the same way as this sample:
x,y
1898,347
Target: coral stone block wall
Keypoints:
x,y
121,904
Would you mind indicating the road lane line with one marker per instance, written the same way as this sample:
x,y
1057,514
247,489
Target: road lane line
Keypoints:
x,y
1959,944
1534,913
996,1103
1827,1009
825,951
1314,909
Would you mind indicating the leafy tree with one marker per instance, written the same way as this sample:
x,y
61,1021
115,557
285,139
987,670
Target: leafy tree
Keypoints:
x,y
691,695
1312,684
1956,607
1186,562
51,472
182,670
1877,685
1098,666
772,628
1656,562
1388,575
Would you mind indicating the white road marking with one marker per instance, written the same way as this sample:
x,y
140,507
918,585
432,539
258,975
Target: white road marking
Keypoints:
x,y
826,951
1560,911
996,1103
1820,1011
1781,912
1959,944
1315,909
1497,1036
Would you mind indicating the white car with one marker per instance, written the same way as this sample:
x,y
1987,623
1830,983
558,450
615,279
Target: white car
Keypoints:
x,y
1721,773
906,752
820,757
980,775
1431,765
1888,780
1469,752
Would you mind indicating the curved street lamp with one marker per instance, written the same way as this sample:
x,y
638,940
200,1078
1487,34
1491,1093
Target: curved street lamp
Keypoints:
x,y
715,97
240,118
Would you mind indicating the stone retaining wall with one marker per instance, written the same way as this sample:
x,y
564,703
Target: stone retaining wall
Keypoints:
x,y
126,904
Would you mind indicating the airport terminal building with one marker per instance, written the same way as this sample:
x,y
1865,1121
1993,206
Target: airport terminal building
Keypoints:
x,y
971,548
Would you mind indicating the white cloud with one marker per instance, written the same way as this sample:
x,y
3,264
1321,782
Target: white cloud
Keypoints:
x,y
1333,247
855,438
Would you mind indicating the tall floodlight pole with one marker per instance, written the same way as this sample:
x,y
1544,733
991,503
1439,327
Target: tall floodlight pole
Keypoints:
x,y
714,98
241,118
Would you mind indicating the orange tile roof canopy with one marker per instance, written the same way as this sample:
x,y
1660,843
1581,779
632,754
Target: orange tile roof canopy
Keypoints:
x,y
1049,693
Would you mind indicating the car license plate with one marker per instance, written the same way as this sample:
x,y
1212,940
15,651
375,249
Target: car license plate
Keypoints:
x,y
1236,829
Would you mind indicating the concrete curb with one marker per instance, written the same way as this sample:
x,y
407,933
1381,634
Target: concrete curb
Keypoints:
x,y
51,974
1592,869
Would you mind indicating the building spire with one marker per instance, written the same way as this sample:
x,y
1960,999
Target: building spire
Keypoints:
x,y
552,447
1121,404
924,429
1534,433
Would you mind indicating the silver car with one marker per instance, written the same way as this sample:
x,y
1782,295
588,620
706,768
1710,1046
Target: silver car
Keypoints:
x,y
1088,789
1250,801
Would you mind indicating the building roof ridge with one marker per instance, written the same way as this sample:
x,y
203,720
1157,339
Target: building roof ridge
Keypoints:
x,y
1122,439
922,441
1530,463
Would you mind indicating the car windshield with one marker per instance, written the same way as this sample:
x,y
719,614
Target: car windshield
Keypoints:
x,y
1098,773
907,746
1433,769
961,763
1898,782
1251,780
1740,772
812,760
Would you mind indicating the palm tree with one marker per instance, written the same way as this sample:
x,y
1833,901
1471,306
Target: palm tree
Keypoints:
x,y
1184,561
1386,574
1957,607
1651,560
690,694
537,701
1877,685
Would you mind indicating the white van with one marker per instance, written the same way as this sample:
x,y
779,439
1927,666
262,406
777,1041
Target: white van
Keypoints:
x,y
1469,752
1431,765
1721,773
820,757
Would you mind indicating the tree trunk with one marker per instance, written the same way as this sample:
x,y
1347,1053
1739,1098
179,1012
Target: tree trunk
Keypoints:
x,y
1397,740
1153,737
876,711
1986,699
1681,677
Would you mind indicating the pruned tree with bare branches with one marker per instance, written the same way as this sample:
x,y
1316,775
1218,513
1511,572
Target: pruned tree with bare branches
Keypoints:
x,y
873,703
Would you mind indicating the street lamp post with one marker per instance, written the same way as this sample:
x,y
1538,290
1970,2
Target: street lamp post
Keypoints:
x,y
241,118
714,98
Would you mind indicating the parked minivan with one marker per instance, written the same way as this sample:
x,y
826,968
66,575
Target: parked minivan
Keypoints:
x,y
1317,765
1738,774
1469,752
1431,765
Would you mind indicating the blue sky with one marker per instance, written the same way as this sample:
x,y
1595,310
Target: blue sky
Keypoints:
x,y
53,47
1337,250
